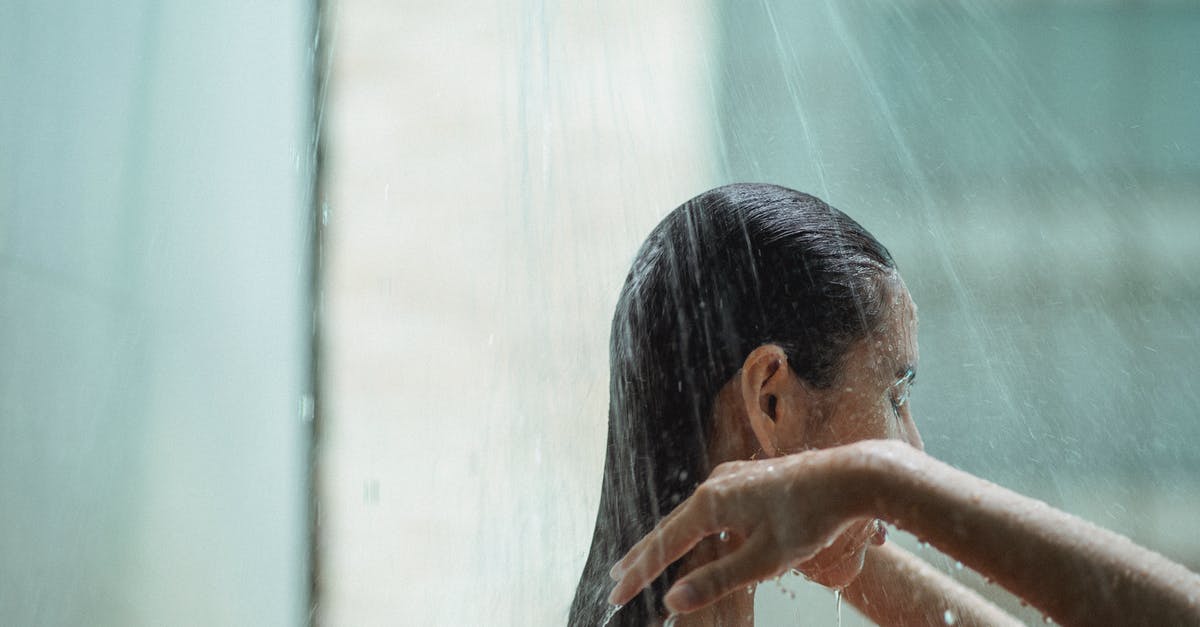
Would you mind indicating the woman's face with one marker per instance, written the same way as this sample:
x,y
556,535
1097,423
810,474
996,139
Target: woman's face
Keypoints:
x,y
868,401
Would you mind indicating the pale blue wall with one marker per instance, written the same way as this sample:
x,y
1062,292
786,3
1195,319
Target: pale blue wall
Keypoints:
x,y
154,326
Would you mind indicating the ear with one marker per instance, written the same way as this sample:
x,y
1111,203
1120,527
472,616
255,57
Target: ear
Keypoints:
x,y
775,401
765,378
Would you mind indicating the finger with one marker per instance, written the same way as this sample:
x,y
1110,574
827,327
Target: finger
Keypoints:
x,y
618,570
665,545
750,563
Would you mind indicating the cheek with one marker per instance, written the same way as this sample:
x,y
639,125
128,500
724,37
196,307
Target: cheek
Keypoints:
x,y
869,419
851,418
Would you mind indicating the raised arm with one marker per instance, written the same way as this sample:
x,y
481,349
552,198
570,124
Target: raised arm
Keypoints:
x,y
788,508
1073,571
898,588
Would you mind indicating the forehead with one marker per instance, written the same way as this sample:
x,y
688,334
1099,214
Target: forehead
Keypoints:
x,y
897,340
892,347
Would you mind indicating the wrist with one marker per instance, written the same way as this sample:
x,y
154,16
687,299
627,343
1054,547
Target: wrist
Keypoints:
x,y
877,474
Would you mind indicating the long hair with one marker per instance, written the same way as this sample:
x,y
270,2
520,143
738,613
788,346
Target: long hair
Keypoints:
x,y
734,268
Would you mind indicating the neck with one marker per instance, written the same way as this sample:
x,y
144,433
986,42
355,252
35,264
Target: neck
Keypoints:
x,y
732,439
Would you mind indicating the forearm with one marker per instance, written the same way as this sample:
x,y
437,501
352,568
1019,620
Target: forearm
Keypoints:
x,y
1073,571
897,588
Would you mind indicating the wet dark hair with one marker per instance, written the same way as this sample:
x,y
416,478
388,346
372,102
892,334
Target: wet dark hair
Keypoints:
x,y
730,270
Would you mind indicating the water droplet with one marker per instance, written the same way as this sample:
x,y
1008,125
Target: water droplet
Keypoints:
x,y
682,475
724,535
837,596
1047,620
957,565
670,622
609,613
948,617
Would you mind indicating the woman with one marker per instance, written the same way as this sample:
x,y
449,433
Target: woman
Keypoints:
x,y
758,323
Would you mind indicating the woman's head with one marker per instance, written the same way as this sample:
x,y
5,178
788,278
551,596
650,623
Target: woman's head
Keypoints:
x,y
736,271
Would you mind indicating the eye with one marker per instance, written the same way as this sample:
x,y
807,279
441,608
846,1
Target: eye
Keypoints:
x,y
898,400
898,392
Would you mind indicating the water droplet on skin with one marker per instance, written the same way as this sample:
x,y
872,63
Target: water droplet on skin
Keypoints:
x,y
957,565
723,536
670,622
837,596
948,617
1047,620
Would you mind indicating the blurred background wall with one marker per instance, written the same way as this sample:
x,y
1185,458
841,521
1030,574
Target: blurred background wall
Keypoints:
x,y
1033,167
155,178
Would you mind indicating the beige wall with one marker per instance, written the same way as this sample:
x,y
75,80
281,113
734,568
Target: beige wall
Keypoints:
x,y
491,173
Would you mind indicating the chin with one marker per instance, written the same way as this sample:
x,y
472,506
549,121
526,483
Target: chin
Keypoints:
x,y
838,565
839,574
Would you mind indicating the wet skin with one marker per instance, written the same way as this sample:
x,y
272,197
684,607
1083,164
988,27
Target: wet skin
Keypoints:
x,y
868,401
831,461
767,411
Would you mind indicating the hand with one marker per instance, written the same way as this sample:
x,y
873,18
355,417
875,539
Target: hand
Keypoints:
x,y
782,511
